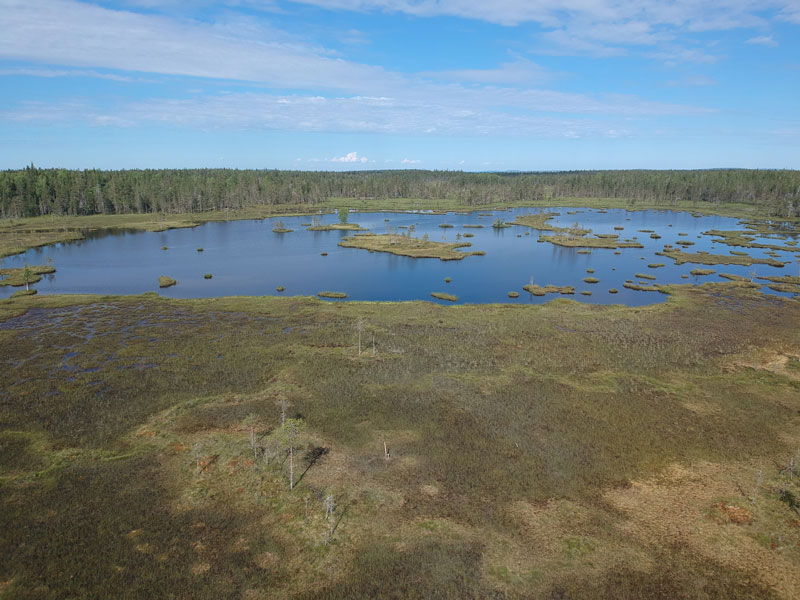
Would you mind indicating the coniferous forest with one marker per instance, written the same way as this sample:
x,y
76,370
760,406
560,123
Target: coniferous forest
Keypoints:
x,y
33,192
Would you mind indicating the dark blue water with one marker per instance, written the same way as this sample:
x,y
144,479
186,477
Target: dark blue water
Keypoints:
x,y
248,258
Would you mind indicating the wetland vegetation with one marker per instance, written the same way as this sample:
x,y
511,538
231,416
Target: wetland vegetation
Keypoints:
x,y
142,448
270,446
406,245
26,275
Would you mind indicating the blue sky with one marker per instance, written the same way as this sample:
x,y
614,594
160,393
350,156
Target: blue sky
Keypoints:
x,y
376,84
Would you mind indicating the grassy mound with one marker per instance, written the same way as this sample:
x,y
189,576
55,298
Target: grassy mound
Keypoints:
x,y
403,245
443,296
16,276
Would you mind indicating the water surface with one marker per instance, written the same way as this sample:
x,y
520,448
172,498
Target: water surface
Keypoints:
x,y
248,258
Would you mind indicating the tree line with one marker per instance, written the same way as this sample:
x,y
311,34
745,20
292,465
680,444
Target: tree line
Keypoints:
x,y
33,192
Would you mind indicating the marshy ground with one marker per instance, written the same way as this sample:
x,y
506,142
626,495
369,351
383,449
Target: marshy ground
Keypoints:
x,y
562,450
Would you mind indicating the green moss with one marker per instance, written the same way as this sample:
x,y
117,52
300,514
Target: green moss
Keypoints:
x,y
280,288
164,281
163,247
513,294
447,280
208,276
331,294
591,280
702,272
644,276
586,293
613,291
199,249
20,293
655,265
323,254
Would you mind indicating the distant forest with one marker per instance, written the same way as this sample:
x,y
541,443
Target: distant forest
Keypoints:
x,y
33,192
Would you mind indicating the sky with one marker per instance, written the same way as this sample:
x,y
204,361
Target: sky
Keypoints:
x,y
473,85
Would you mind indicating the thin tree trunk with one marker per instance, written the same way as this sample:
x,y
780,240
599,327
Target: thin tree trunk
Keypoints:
x,y
291,467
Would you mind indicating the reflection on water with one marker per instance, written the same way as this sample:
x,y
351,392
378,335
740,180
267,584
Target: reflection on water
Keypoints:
x,y
248,258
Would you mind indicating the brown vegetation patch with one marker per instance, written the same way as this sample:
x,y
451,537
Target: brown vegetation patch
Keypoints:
x,y
670,510
772,361
733,514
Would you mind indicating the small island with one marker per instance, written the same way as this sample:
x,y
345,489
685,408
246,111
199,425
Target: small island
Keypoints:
x,y
17,277
572,237
681,257
404,245
443,296
538,290
337,227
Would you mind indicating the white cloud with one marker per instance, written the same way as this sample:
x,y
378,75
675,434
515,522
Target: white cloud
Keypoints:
x,y
410,161
82,35
519,72
49,73
250,111
673,56
341,96
697,16
350,157
596,27
762,40
694,81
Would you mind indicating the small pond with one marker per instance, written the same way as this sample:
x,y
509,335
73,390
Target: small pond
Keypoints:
x,y
249,258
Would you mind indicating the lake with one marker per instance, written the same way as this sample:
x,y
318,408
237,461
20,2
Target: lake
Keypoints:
x,y
248,258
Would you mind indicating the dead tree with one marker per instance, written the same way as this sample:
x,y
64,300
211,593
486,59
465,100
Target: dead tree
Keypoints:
x,y
360,328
